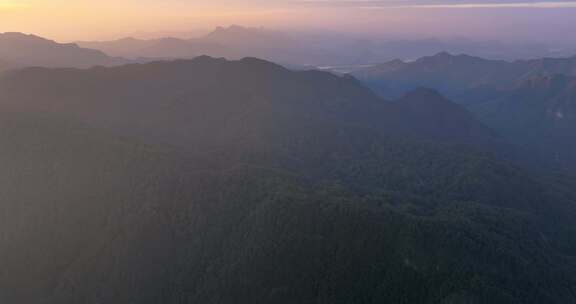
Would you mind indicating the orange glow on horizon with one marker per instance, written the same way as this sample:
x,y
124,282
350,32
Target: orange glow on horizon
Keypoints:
x,y
71,20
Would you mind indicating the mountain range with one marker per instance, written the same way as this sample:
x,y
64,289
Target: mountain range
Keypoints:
x,y
266,89
233,42
528,102
297,50
310,49
20,50
447,179
463,78
217,181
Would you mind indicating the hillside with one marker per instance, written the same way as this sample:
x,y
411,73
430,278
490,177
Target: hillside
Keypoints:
x,y
539,114
215,181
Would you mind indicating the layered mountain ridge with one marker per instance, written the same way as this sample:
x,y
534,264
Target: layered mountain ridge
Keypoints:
x,y
233,42
462,77
21,50
267,90
529,102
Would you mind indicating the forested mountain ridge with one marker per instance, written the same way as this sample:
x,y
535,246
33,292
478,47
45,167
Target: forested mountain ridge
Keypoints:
x,y
214,181
171,93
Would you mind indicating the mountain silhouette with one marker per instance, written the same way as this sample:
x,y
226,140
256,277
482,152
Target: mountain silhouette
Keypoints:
x,y
233,42
21,50
257,90
463,78
240,36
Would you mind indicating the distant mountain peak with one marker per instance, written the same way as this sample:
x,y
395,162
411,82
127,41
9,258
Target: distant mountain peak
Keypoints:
x,y
438,56
235,30
16,35
448,58
444,54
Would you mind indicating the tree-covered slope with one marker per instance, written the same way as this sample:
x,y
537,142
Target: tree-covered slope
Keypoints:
x,y
254,184
539,115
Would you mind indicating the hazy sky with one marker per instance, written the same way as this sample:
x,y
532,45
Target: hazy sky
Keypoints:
x,y
98,19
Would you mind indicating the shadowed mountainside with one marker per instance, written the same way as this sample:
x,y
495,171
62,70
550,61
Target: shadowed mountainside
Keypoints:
x,y
540,114
184,98
214,181
528,102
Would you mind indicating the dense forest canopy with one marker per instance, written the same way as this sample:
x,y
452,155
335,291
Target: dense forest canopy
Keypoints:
x,y
216,181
